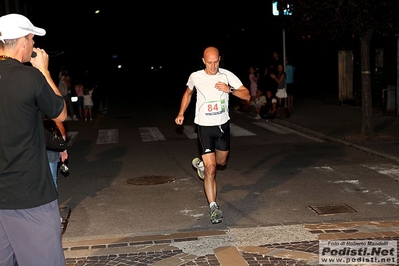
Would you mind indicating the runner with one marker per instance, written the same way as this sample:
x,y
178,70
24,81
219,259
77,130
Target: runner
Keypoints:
x,y
214,86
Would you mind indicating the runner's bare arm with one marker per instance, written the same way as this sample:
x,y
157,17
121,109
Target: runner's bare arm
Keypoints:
x,y
186,99
242,93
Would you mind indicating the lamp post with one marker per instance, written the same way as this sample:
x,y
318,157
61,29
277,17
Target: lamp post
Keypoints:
x,y
281,8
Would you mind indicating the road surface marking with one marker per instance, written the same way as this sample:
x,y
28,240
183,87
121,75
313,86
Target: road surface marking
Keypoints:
x,y
284,130
190,131
237,131
107,136
151,134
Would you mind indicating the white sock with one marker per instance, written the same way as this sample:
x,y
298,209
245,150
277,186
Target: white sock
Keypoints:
x,y
212,204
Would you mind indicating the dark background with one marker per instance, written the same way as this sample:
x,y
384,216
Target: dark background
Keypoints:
x,y
158,44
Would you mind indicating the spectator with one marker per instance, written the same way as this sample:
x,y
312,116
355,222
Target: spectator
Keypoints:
x,y
280,79
79,94
275,61
290,70
253,82
88,103
259,100
65,88
266,83
268,109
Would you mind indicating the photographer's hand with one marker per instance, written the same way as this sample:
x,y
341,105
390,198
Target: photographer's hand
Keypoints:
x,y
64,155
40,61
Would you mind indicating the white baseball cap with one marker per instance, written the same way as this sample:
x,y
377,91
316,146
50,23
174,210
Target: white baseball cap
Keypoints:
x,y
14,26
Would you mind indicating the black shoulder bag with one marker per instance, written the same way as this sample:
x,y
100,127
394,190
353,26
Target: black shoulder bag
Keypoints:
x,y
53,137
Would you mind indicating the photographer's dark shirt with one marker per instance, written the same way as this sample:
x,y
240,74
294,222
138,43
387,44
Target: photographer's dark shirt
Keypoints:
x,y
25,177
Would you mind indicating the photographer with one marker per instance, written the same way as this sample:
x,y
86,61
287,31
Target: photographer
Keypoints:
x,y
29,215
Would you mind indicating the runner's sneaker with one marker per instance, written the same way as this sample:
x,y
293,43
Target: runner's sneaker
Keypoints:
x,y
216,214
197,163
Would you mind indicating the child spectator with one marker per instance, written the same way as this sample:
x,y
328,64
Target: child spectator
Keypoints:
x,y
88,103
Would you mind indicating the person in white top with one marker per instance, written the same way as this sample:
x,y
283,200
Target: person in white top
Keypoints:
x,y
259,100
88,103
214,86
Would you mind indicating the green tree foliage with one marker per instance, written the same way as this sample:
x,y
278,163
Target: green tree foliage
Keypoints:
x,y
333,19
336,18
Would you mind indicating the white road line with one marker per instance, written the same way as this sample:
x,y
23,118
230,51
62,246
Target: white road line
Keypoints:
x,y
151,134
284,130
190,132
273,128
385,169
107,136
237,131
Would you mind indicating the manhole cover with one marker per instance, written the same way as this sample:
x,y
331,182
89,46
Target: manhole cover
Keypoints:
x,y
332,209
150,180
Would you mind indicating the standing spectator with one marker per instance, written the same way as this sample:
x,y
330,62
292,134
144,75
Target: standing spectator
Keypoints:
x,y
79,94
265,82
65,88
275,61
214,86
88,103
29,215
290,70
280,79
253,82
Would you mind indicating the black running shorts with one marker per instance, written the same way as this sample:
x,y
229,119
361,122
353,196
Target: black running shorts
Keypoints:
x,y
214,137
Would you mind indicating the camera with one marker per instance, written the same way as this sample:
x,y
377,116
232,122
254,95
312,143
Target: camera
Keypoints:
x,y
64,169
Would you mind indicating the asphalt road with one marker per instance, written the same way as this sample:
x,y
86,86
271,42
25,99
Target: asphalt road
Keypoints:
x,y
275,175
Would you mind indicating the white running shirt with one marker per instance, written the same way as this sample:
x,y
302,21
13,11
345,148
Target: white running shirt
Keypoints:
x,y
212,106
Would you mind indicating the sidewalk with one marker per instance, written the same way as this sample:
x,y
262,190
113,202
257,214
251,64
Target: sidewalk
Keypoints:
x,y
295,244
274,245
343,124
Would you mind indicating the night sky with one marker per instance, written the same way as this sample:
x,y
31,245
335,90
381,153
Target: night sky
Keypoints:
x,y
144,32
138,35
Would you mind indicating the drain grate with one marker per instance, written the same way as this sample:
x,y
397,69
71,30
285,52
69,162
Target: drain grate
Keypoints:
x,y
332,209
150,180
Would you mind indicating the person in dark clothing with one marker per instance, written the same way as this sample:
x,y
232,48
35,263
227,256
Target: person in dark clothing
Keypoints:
x,y
266,83
29,215
275,61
